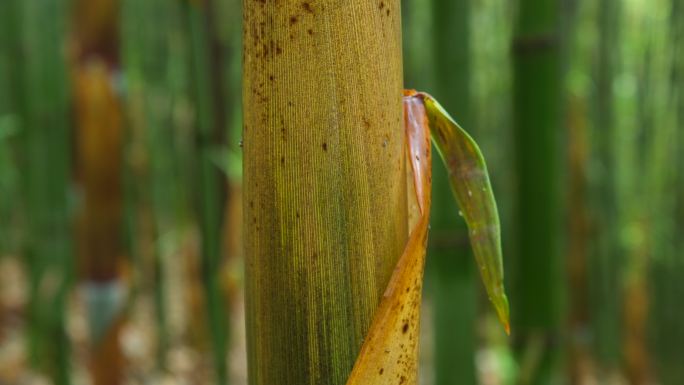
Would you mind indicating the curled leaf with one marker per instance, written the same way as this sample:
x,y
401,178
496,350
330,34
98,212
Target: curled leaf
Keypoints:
x,y
470,184
389,354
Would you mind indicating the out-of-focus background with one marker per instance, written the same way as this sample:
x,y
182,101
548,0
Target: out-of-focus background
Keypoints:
x,y
120,197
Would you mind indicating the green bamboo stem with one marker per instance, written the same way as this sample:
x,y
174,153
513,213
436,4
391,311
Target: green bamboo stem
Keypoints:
x,y
667,267
9,122
538,274
450,261
606,256
145,51
324,179
677,22
46,180
210,193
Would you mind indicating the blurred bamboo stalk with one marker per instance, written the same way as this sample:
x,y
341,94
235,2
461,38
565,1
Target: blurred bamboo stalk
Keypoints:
x,y
667,264
144,54
99,150
99,144
578,237
9,126
450,262
606,257
577,58
642,167
539,280
325,181
157,62
211,124
46,179
677,72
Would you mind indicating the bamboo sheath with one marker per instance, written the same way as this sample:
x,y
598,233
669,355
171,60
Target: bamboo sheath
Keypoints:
x,y
324,177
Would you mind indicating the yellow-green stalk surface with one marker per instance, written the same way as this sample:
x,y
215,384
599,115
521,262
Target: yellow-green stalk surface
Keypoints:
x,y
324,178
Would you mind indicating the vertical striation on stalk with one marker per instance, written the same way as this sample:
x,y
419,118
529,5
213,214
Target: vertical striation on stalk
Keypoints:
x,y
324,178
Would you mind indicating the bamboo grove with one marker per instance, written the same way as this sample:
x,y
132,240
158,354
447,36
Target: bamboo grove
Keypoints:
x,y
223,191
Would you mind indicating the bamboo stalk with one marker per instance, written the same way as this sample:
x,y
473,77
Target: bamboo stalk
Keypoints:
x,y
538,275
324,177
9,125
46,183
450,261
651,295
143,55
210,194
605,268
99,150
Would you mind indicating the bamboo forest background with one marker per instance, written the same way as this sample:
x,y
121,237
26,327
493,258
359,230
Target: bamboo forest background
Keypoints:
x,y
120,190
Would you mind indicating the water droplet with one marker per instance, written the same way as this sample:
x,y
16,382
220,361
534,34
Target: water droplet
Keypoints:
x,y
241,143
470,193
460,213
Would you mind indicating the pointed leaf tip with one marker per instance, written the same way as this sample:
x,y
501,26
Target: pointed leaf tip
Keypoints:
x,y
502,311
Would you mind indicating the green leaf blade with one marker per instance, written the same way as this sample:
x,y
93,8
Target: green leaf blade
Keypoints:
x,y
469,180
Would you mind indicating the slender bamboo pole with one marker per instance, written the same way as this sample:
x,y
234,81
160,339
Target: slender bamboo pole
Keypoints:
x,y
575,57
324,178
605,268
144,54
210,194
450,262
46,183
677,23
99,150
667,266
9,124
538,300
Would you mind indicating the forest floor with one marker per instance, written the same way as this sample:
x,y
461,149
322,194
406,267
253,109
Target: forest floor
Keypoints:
x,y
186,359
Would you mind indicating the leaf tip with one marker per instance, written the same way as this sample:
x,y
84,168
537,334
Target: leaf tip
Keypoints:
x,y
503,311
